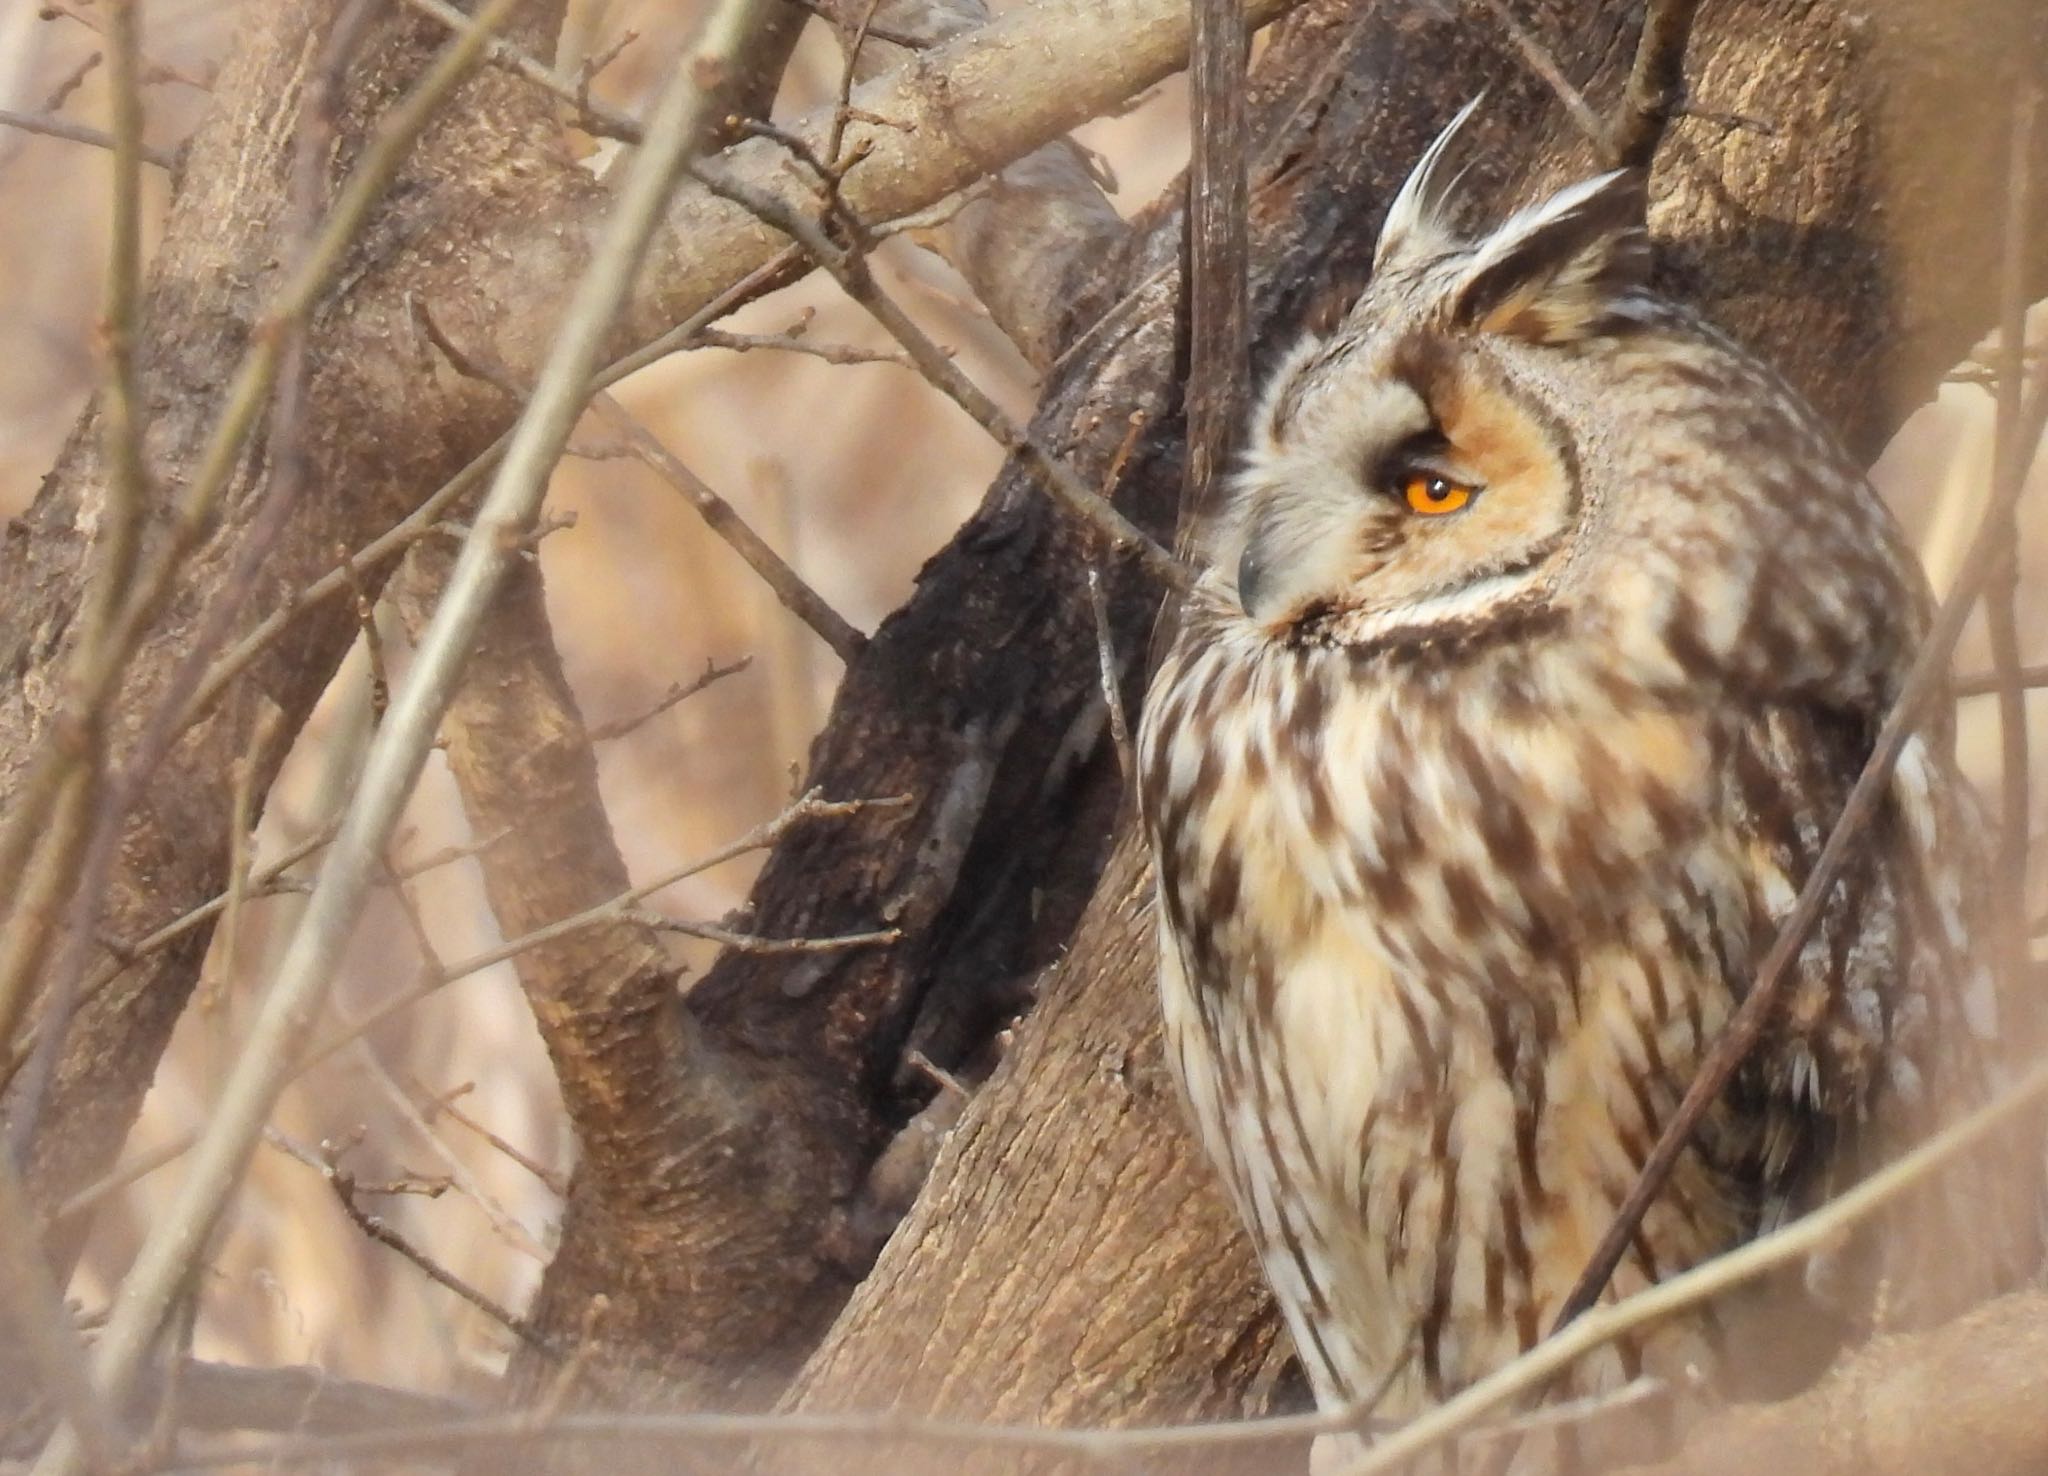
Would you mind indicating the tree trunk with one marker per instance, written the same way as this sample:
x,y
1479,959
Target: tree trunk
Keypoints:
x,y
1059,1266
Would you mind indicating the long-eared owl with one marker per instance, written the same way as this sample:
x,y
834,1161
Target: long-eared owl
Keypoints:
x,y
1540,641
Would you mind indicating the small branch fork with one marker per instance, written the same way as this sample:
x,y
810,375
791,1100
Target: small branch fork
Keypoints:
x,y
724,520
677,693
796,596
848,265
807,807
1653,95
592,116
326,1161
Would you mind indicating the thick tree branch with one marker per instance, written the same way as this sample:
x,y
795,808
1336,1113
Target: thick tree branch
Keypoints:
x,y
509,223
1788,251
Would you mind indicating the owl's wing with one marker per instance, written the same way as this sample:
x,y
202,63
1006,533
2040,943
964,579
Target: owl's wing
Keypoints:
x,y
1887,1025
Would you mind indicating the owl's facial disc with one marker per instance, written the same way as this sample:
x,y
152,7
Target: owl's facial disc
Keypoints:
x,y
1409,491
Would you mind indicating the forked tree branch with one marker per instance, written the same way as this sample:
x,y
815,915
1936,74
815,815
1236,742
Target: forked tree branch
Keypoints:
x,y
400,747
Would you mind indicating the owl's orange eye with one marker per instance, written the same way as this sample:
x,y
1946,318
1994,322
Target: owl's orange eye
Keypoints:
x,y
1433,495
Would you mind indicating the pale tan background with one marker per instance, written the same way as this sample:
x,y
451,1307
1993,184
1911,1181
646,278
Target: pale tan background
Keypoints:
x,y
856,474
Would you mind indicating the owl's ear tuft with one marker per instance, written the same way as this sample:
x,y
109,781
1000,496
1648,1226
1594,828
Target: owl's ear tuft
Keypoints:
x,y
1415,224
1556,271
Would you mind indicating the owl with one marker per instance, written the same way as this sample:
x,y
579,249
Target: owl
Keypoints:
x,y
1539,643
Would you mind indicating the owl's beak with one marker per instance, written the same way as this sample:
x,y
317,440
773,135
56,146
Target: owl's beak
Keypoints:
x,y
1253,570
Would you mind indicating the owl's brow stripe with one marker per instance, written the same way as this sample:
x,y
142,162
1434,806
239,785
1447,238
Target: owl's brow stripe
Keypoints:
x,y
1425,364
1924,682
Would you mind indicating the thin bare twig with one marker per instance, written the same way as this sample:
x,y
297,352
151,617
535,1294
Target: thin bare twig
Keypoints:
x,y
49,125
592,116
122,412
850,269
1111,676
1217,243
1986,684
2010,457
448,855
265,881
797,597
440,1104
1923,685
149,71
554,1398
365,611
832,14
508,1226
793,342
1537,58
133,1171
220,964
327,1163
810,806
71,81
753,942
678,692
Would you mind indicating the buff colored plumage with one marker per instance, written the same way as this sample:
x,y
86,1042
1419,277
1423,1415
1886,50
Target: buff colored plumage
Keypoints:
x,y
1541,640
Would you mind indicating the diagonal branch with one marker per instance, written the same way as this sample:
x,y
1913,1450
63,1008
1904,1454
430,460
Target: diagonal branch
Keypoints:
x,y
849,267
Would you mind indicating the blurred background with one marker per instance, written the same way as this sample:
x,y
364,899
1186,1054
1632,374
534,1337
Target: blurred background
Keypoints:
x,y
855,474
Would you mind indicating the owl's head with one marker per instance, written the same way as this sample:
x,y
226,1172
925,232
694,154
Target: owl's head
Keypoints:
x,y
1422,468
